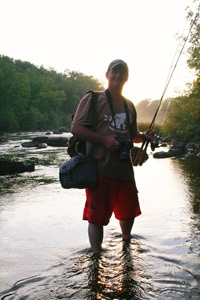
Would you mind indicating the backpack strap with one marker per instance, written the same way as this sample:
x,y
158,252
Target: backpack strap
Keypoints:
x,y
127,115
95,96
75,143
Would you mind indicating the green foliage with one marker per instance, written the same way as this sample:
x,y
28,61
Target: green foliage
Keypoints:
x,y
194,49
157,127
33,98
184,118
8,120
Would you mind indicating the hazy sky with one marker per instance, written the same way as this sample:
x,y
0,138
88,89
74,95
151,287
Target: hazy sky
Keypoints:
x,y
85,35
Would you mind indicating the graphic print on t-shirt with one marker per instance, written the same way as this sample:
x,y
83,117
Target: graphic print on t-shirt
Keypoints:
x,y
120,121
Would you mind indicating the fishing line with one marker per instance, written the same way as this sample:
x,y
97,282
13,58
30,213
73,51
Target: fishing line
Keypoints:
x,y
140,155
175,55
185,40
181,39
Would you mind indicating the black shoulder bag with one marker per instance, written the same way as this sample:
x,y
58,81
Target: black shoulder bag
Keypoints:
x,y
80,171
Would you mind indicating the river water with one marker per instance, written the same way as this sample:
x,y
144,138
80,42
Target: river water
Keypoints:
x,y
45,253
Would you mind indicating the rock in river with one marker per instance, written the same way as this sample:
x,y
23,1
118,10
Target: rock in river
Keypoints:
x,y
12,167
56,141
178,149
42,146
134,153
29,144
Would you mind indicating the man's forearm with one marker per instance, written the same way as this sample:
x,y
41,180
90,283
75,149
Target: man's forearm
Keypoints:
x,y
138,138
87,134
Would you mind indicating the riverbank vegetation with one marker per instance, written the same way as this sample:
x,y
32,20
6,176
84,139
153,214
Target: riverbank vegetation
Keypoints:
x,y
33,98
143,126
184,115
180,117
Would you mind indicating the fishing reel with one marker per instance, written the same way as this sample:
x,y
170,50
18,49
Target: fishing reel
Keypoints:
x,y
142,156
155,143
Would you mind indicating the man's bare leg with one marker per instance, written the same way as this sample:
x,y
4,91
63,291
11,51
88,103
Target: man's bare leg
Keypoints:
x,y
126,227
95,233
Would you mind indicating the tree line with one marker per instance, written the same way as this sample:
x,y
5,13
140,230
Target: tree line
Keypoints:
x,y
34,98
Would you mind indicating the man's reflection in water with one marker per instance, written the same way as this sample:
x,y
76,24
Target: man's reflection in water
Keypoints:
x,y
94,279
130,286
115,279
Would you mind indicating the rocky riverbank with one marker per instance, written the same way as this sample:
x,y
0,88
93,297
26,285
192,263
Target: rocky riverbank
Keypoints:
x,y
178,148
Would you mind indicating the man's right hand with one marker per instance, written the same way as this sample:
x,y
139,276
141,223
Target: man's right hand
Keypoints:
x,y
110,143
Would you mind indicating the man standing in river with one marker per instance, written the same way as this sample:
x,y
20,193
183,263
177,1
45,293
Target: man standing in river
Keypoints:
x,y
116,190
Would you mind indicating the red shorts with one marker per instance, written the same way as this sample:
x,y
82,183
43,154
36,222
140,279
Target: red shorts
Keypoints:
x,y
111,195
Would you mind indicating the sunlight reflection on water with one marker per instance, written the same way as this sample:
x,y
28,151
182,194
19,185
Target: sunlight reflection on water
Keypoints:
x,y
45,250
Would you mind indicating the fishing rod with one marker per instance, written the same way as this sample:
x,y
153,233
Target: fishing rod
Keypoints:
x,y
141,153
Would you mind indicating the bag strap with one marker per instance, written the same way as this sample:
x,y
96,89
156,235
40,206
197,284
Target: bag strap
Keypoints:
x,y
110,102
94,100
95,96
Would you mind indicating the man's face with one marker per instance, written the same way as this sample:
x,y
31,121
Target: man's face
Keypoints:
x,y
117,77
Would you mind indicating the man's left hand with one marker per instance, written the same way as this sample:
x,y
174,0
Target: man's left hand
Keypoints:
x,y
149,136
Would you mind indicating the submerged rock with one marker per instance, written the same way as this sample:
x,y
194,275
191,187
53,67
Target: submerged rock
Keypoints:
x,y
163,154
63,129
12,167
29,144
56,132
42,145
